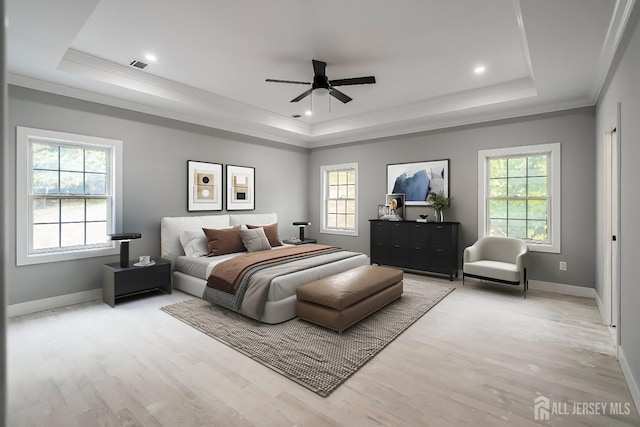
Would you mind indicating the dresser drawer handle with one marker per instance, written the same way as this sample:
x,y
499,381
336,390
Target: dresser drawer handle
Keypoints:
x,y
439,227
417,248
396,246
438,250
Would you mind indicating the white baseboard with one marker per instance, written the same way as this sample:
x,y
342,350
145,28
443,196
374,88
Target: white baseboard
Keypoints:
x,y
53,302
561,288
631,382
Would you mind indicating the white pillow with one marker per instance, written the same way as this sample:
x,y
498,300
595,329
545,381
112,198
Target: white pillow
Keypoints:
x,y
194,243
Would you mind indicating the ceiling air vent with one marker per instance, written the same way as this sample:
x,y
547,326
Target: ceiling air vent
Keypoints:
x,y
296,116
138,64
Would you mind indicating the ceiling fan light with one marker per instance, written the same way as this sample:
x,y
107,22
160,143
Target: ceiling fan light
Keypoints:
x,y
321,91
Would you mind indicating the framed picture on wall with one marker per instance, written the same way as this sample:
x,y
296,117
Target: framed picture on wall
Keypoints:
x,y
241,189
204,186
417,180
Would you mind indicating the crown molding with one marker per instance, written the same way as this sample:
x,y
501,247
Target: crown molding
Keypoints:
x,y
617,26
85,95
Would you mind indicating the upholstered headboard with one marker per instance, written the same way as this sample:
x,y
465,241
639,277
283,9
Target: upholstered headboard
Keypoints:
x,y
171,227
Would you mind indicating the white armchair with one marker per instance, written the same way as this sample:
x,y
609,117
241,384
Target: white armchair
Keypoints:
x,y
497,259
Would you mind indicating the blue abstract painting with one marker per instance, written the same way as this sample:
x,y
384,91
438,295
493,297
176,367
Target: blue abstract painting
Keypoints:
x,y
417,180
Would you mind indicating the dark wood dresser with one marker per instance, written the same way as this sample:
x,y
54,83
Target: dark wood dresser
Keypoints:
x,y
430,246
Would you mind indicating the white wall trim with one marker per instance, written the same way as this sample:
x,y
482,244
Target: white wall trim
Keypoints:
x,y
601,309
631,382
561,288
53,302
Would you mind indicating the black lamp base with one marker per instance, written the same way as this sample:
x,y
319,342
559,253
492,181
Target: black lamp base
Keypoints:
x,y
124,253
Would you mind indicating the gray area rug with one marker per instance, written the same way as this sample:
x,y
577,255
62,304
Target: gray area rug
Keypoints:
x,y
316,358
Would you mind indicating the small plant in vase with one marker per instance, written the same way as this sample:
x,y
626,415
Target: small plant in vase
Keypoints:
x,y
439,203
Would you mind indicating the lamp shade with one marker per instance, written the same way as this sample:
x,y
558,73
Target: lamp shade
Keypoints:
x,y
125,236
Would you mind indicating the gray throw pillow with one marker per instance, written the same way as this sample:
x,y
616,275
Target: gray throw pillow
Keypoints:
x,y
255,240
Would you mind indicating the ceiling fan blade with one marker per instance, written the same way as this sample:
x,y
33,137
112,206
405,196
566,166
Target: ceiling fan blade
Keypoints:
x,y
302,95
288,81
339,95
319,68
353,81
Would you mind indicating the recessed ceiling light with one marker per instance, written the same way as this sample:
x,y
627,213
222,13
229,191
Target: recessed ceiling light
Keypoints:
x,y
150,57
308,113
480,69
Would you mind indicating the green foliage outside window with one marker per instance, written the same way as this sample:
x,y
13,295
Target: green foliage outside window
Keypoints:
x,y
519,197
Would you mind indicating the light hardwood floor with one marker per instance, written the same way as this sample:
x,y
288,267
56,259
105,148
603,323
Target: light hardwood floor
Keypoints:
x,y
480,357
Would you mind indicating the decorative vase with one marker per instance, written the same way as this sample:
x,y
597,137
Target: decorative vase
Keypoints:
x,y
439,216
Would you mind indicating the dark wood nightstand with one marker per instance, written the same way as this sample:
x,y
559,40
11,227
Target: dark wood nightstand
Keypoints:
x,y
118,282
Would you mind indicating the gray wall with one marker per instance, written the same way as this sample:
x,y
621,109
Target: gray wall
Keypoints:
x,y
156,151
623,86
574,129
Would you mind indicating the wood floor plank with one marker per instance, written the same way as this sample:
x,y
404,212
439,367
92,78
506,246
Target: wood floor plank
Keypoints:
x,y
479,357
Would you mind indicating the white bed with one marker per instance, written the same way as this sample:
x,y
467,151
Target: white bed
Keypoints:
x,y
190,273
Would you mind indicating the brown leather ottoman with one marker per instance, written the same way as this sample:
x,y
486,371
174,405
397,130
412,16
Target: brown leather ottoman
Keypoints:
x,y
339,301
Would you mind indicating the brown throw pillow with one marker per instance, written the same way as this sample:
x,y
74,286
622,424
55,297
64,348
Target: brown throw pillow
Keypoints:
x,y
224,240
271,231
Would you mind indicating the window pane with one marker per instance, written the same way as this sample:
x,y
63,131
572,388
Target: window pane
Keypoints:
x,y
45,182
498,227
44,156
333,178
517,167
498,188
72,210
331,221
342,192
72,234
342,206
45,210
537,165
95,161
351,206
517,228
351,191
71,159
96,209
342,221
537,230
498,209
333,192
498,168
351,176
45,236
538,187
537,209
351,221
332,206
342,177
96,232
517,187
71,182
95,183
517,209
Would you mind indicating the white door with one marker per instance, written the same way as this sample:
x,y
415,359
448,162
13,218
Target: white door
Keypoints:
x,y
615,297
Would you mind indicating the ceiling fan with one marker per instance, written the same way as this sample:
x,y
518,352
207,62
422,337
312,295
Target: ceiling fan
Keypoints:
x,y
322,85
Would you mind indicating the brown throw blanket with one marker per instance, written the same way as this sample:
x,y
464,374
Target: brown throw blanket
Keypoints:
x,y
226,276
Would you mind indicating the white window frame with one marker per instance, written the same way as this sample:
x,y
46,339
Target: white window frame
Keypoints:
x,y
553,150
24,136
325,195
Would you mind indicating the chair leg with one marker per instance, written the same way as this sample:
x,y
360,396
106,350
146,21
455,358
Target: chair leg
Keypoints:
x,y
525,284
462,279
